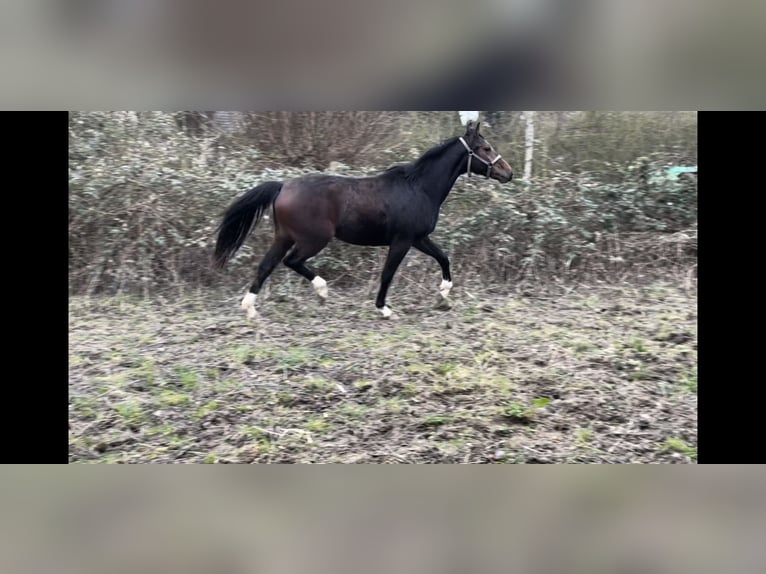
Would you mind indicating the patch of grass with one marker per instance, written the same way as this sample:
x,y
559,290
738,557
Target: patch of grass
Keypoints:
x,y
206,409
592,302
540,403
114,380
353,410
173,399
162,430
640,373
663,334
524,413
247,353
241,354
582,346
459,372
515,410
458,442
148,370
486,358
459,387
318,425
678,445
435,421
76,360
393,405
145,339
131,412
409,390
365,340
85,406
285,398
176,442
260,439
409,355
362,385
255,433
445,368
294,358
317,385
583,435
210,459
225,385
187,377
689,381
669,317
499,382
657,290
420,369
638,345
405,333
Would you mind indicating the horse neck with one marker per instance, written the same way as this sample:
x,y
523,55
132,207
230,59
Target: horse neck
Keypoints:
x,y
438,174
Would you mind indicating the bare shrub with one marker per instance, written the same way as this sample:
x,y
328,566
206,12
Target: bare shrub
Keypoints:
x,y
315,139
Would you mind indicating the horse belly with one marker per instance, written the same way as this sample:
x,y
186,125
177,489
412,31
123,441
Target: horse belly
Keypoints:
x,y
361,232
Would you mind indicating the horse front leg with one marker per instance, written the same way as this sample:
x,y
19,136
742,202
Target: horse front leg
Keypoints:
x,y
396,253
428,247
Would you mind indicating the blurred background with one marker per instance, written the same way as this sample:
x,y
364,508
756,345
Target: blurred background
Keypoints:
x,y
581,520
597,195
343,54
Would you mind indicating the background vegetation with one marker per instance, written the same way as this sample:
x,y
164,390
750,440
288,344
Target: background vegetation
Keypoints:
x,y
147,190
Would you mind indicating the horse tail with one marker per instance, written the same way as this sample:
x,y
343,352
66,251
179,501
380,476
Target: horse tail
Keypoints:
x,y
241,218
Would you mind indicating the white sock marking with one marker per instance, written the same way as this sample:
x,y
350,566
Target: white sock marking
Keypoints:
x,y
445,288
320,286
386,312
248,305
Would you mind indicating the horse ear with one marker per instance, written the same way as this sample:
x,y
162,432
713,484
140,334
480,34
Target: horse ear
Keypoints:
x,y
472,130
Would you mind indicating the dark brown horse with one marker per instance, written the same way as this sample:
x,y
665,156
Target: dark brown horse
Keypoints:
x,y
398,208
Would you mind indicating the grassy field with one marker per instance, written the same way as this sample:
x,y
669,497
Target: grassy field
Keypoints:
x,y
595,375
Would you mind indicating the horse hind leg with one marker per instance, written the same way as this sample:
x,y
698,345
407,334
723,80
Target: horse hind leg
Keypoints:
x,y
267,265
296,260
396,254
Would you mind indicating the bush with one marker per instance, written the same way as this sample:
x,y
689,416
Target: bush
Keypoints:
x,y
316,139
145,199
569,224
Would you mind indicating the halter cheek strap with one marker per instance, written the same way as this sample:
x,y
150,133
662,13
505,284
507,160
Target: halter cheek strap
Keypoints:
x,y
489,164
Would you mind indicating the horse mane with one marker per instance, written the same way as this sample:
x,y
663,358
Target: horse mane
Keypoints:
x,y
412,169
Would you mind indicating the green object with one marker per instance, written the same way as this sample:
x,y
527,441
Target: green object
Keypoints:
x,y
675,171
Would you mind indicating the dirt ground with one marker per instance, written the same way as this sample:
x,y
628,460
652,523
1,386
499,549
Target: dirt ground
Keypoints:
x,y
593,375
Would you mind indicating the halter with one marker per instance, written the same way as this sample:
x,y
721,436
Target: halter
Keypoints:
x,y
489,164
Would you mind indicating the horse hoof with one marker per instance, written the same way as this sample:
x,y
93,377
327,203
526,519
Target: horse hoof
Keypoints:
x,y
386,312
445,288
320,286
248,305
248,301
